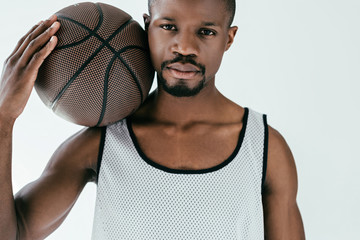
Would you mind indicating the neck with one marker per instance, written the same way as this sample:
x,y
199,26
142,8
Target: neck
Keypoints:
x,y
206,106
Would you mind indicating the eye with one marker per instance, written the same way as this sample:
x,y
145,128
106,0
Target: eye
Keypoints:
x,y
168,27
207,32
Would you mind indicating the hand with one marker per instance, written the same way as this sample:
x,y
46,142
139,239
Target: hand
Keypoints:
x,y
22,66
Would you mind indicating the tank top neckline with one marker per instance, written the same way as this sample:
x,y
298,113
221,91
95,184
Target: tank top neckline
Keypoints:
x,y
186,171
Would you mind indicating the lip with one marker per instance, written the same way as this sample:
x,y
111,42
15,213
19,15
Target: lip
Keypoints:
x,y
187,67
185,75
185,71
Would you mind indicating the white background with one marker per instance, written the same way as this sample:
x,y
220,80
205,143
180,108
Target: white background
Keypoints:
x,y
297,61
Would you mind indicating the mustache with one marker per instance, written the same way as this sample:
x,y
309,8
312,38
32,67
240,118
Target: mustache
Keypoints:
x,y
184,60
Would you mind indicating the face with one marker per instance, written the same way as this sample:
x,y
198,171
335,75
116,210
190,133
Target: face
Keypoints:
x,y
187,40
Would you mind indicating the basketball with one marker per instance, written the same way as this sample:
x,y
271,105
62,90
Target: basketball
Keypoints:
x,y
100,71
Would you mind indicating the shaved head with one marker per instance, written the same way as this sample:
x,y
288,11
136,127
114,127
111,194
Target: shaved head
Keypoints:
x,y
228,4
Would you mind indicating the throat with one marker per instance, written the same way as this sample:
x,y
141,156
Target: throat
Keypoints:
x,y
204,107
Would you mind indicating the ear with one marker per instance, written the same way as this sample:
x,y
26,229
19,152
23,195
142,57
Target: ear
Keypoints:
x,y
231,35
146,21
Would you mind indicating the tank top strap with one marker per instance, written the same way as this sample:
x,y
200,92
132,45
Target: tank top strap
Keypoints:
x,y
256,140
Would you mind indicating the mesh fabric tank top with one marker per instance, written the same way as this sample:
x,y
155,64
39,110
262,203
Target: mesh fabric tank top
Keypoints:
x,y
140,199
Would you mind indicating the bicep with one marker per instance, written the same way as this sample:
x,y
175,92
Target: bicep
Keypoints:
x,y
43,205
281,214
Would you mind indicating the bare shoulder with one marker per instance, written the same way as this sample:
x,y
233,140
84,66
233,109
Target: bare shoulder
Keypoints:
x,y
80,151
281,172
282,218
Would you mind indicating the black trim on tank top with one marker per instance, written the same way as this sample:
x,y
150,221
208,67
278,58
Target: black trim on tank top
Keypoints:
x,y
101,150
265,153
182,171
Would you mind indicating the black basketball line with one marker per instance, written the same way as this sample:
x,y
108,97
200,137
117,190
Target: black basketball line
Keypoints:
x,y
105,94
136,80
75,76
105,43
134,77
106,80
92,33
101,19
87,62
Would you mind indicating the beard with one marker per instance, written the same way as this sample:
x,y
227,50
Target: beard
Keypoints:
x,y
181,89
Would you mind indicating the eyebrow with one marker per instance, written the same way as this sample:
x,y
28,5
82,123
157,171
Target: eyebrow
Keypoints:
x,y
168,19
208,24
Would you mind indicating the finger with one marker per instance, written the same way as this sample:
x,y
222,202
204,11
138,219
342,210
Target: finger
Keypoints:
x,y
36,44
20,42
34,34
39,57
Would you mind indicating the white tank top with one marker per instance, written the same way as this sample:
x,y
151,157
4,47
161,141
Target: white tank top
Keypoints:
x,y
140,199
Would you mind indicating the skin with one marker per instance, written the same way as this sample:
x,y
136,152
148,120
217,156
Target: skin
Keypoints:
x,y
191,128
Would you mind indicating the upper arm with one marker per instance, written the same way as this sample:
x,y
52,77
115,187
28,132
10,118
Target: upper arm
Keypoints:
x,y
42,205
281,214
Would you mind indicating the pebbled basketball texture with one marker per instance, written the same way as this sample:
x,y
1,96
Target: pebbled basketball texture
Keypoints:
x,y
100,71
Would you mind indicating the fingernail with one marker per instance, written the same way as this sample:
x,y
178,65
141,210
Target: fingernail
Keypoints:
x,y
51,39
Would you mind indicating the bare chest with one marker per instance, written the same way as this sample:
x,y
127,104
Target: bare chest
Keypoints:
x,y
198,147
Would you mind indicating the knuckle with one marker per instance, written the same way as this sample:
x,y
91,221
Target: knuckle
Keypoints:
x,y
37,56
20,66
48,21
47,32
22,39
31,36
21,70
10,61
32,43
7,60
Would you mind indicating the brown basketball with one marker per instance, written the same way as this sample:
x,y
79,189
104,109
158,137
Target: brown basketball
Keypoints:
x,y
100,71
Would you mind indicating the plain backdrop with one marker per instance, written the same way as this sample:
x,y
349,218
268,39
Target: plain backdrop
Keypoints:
x,y
298,61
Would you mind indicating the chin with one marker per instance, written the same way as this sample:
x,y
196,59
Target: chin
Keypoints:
x,y
182,90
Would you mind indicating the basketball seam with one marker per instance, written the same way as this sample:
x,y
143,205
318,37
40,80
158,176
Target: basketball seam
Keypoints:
x,y
92,32
89,60
104,43
105,95
101,39
106,81
134,77
76,74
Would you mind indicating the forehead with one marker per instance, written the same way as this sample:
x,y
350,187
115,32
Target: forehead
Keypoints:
x,y
206,10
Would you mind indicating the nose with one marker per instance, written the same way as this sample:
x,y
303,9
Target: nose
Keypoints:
x,y
185,44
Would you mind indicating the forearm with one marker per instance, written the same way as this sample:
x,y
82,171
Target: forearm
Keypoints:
x,y
16,83
8,222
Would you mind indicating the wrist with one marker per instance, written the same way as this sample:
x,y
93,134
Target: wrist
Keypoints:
x,y
6,125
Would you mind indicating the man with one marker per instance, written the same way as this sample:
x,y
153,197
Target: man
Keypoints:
x,y
189,164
